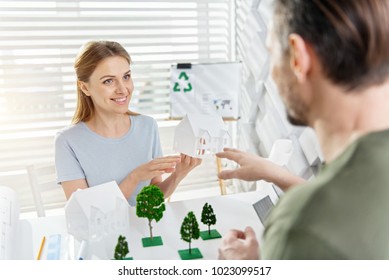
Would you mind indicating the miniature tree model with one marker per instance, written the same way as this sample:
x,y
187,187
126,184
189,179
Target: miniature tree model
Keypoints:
x,y
209,218
150,205
190,230
121,249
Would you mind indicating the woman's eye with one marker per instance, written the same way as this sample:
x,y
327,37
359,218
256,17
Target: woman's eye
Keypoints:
x,y
127,77
107,82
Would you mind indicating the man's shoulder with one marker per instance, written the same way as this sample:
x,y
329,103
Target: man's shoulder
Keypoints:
x,y
283,218
292,226
294,203
324,210
339,178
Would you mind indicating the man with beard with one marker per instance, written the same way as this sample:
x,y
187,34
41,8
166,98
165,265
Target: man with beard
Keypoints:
x,y
330,60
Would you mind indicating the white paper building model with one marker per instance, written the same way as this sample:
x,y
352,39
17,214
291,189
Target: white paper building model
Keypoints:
x,y
98,215
200,135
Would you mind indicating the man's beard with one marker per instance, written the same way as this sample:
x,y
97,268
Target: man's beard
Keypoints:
x,y
295,121
296,110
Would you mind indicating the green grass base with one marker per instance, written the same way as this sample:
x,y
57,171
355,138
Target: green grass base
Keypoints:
x,y
125,259
206,236
195,254
148,242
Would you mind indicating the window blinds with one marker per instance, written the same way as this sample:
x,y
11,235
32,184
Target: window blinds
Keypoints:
x,y
40,39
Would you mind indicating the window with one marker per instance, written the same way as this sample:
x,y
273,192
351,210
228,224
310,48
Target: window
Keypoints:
x,y
40,39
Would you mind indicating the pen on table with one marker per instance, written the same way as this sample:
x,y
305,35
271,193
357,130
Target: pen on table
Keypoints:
x,y
38,257
82,250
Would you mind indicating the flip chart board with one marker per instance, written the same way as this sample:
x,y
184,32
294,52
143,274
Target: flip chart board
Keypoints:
x,y
212,88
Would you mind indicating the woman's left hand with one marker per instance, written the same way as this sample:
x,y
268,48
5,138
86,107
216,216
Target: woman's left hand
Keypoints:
x,y
186,165
182,169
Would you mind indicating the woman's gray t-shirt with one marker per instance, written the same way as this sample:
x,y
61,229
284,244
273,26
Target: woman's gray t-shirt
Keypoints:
x,y
81,153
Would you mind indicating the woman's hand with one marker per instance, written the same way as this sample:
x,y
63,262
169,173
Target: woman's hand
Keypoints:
x,y
155,167
186,165
183,167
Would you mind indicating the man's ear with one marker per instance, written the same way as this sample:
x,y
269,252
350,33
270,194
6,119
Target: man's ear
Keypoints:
x,y
300,58
84,87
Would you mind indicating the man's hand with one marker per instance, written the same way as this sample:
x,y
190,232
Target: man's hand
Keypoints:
x,y
255,168
239,245
252,167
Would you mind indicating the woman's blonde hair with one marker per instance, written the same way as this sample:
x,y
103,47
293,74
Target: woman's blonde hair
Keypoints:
x,y
91,54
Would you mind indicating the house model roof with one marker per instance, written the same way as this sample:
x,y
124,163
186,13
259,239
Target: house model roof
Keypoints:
x,y
101,209
213,124
103,197
200,135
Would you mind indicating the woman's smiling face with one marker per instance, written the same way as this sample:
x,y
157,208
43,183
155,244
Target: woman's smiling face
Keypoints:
x,y
110,86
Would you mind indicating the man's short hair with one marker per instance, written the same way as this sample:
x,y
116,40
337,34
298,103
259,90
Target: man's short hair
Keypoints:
x,y
350,37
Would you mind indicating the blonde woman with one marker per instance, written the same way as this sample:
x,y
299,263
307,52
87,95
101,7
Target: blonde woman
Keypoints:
x,y
107,141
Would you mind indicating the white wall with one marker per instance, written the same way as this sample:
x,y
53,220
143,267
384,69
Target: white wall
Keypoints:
x,y
263,118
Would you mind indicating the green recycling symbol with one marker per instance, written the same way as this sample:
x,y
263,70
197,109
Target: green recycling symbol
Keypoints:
x,y
185,77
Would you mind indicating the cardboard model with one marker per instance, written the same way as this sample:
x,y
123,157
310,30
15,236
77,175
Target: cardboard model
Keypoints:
x,y
281,152
9,222
98,215
200,135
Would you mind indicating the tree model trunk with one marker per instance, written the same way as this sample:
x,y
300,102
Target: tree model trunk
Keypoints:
x,y
151,230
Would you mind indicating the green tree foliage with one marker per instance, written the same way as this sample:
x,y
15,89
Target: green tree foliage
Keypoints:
x,y
190,229
208,217
150,204
121,249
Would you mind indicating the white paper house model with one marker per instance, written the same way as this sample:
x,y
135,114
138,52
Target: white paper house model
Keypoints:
x,y
98,215
200,135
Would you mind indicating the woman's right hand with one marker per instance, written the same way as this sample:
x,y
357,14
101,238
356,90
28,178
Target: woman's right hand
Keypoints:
x,y
154,168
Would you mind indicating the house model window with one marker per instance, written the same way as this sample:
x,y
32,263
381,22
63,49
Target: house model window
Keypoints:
x,y
200,135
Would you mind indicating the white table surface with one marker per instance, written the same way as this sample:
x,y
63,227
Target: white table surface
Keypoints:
x,y
232,211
